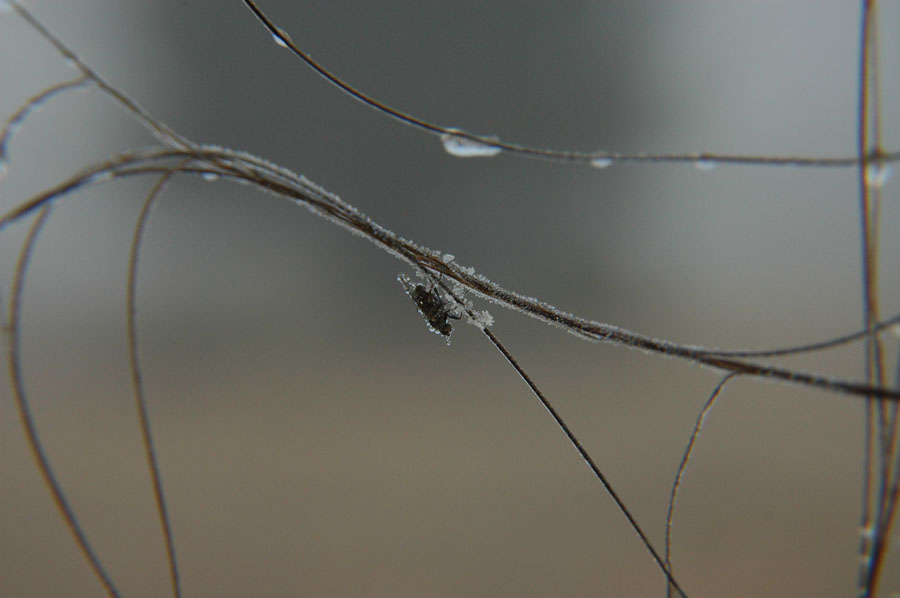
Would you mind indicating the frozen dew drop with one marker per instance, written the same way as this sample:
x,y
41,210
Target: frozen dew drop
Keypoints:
x,y
281,38
103,176
877,174
704,165
601,162
67,60
463,147
210,176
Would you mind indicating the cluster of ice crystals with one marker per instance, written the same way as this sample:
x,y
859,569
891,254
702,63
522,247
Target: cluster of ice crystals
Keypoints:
x,y
482,319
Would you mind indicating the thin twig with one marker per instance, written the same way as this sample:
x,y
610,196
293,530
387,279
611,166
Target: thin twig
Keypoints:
x,y
573,440
682,467
27,419
138,384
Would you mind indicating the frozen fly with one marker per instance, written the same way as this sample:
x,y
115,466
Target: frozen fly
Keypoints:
x,y
433,307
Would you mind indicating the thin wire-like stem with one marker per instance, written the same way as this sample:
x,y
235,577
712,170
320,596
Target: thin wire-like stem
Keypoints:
x,y
573,440
138,384
682,467
25,109
812,347
27,419
162,132
876,460
568,156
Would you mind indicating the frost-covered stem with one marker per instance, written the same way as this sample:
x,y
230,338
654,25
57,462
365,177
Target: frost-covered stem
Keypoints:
x,y
237,165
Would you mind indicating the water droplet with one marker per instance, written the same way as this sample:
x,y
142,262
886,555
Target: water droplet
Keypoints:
x,y
462,147
210,176
281,38
601,162
867,532
704,165
877,174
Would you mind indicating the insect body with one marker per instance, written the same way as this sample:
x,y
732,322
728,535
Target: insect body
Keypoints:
x,y
433,307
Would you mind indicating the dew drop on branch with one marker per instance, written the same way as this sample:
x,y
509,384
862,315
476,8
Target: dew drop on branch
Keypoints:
x,y
462,147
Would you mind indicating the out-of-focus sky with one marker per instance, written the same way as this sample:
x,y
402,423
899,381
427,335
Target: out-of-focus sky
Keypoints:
x,y
314,437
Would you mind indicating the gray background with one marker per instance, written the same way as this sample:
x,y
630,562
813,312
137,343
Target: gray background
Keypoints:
x,y
314,437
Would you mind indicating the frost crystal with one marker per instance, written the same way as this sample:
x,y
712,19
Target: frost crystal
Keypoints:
x,y
481,319
462,147
601,162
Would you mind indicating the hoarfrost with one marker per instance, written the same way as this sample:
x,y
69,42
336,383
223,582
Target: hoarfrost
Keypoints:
x,y
447,258
481,319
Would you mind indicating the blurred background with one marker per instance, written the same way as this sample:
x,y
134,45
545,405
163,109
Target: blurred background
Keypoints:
x,y
314,437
